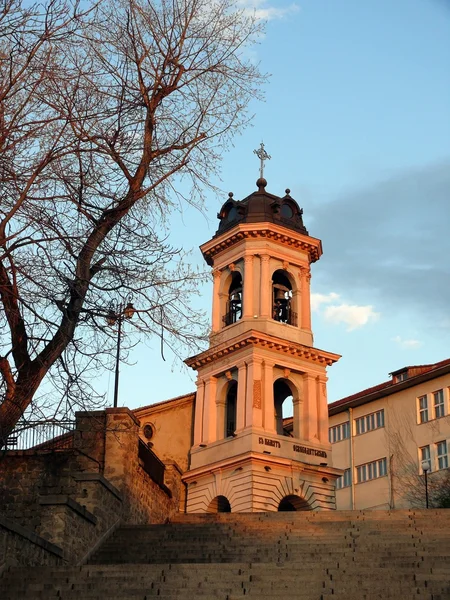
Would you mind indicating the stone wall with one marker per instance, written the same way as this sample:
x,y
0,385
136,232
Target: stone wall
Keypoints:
x,y
21,547
144,500
74,497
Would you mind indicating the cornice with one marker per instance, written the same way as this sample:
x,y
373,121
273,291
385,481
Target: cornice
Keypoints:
x,y
271,231
260,340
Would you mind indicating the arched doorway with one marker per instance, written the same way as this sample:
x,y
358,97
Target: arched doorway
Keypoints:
x,y
293,503
219,504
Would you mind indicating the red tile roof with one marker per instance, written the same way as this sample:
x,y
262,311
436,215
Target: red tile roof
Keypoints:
x,y
419,373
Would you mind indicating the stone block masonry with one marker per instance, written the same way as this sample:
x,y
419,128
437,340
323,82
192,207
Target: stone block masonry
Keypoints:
x,y
72,498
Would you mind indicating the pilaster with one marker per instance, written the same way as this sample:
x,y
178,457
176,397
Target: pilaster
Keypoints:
x,y
216,319
305,278
253,413
268,403
241,396
248,286
198,420
209,411
266,287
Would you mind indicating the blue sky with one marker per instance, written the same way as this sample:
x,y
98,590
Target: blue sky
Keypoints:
x,y
357,121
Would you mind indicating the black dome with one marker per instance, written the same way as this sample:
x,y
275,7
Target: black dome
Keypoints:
x,y
261,207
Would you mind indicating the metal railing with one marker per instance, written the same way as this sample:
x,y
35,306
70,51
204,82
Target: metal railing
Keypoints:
x,y
41,434
151,464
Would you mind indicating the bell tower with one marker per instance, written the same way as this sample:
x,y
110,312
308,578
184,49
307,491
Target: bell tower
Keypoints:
x,y
246,456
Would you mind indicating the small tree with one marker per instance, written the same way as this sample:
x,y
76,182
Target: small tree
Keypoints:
x,y
105,108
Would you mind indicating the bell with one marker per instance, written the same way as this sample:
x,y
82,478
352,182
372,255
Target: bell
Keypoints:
x,y
280,295
235,298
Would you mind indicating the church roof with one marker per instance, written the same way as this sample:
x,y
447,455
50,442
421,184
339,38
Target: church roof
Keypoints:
x,y
261,207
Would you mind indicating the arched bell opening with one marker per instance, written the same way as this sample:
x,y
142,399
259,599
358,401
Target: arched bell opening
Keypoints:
x,y
283,299
233,312
293,503
219,504
284,405
230,409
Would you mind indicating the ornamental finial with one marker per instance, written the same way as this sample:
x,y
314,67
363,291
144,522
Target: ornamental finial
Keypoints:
x,y
262,155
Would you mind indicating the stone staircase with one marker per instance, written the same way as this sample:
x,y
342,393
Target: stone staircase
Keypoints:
x,y
341,555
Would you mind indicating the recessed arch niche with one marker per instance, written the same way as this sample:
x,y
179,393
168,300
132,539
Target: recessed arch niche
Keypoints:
x,y
231,408
284,393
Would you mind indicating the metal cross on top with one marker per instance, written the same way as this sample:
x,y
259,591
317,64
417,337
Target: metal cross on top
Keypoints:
x,y
262,155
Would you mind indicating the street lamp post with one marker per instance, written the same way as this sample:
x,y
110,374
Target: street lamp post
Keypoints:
x,y
117,314
425,468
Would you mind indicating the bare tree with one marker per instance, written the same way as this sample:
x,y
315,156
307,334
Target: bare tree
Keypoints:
x,y
109,111
405,470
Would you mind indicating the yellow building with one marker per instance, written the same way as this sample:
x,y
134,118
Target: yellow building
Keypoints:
x,y
383,435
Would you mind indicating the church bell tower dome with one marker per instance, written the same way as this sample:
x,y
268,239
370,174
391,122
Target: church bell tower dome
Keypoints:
x,y
261,207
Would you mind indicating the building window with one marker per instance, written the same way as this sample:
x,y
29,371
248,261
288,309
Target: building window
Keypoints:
x,y
401,377
344,480
339,432
423,409
442,456
439,406
369,422
425,456
372,470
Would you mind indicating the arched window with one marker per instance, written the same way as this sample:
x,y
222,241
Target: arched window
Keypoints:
x,y
282,299
230,409
234,304
282,396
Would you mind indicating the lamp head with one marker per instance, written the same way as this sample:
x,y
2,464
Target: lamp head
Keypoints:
x,y
426,466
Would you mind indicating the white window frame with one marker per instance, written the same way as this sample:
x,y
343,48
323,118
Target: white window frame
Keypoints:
x,y
425,456
369,422
373,470
338,433
442,454
439,406
345,480
422,410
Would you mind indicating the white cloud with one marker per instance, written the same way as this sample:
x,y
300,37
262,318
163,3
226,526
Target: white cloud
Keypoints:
x,y
352,315
318,299
409,344
261,11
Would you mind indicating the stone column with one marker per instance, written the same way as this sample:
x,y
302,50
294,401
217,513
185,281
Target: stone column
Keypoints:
x,y
241,396
268,401
297,417
310,406
322,408
198,417
266,287
248,286
305,314
209,411
220,412
216,316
